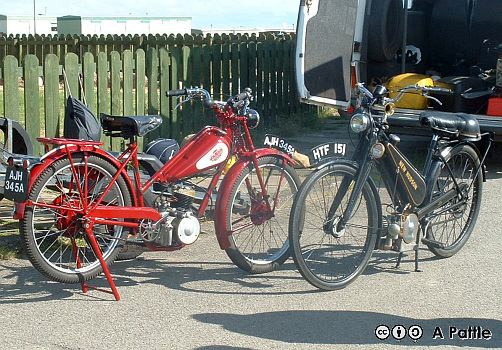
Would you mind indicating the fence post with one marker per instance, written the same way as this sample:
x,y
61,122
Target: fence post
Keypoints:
x,y
89,72
51,96
115,68
72,75
140,87
32,100
103,94
152,61
11,88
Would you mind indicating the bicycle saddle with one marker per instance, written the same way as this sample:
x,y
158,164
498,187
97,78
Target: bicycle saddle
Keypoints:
x,y
128,126
460,125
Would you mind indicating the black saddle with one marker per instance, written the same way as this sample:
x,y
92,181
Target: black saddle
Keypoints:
x,y
129,126
458,125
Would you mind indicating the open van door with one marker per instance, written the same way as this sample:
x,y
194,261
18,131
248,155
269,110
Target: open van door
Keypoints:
x,y
324,51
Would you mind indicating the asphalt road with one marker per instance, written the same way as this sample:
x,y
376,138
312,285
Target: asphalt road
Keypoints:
x,y
196,299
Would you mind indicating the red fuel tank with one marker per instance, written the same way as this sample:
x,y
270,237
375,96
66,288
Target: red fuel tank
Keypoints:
x,y
209,148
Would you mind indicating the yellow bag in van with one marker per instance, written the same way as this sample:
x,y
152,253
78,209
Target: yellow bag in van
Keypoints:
x,y
410,100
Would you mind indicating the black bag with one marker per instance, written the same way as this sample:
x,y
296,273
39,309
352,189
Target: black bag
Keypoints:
x,y
80,122
163,149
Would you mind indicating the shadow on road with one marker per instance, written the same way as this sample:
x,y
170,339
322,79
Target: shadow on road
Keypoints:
x,y
201,277
351,327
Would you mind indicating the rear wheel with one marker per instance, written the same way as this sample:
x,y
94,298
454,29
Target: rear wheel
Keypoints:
x,y
51,231
452,224
329,258
259,239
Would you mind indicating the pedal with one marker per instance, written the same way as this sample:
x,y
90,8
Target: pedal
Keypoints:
x,y
433,244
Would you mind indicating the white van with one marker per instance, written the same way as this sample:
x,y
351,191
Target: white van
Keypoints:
x,y
450,43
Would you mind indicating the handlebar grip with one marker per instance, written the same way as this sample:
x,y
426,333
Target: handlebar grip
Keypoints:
x,y
179,92
243,95
439,90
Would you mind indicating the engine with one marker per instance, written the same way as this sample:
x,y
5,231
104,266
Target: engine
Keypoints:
x,y
402,231
178,225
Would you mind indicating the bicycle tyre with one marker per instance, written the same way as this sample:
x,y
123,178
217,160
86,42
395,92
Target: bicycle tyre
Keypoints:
x,y
261,245
53,238
453,227
326,259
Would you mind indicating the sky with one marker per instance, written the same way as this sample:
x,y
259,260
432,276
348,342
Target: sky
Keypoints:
x,y
216,14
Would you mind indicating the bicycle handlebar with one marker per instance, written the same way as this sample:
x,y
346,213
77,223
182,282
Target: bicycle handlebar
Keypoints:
x,y
192,93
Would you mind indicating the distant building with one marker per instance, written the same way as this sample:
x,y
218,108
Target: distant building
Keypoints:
x,y
94,25
40,24
123,25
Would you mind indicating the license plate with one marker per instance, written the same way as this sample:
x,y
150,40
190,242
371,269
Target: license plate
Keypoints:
x,y
326,150
279,143
16,184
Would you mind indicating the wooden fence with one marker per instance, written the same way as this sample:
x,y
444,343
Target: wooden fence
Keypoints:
x,y
41,45
133,83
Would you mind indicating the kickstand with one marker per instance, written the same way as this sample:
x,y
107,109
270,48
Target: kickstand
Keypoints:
x,y
97,251
416,260
398,264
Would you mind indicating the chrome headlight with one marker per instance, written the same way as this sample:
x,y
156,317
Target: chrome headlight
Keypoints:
x,y
359,122
253,118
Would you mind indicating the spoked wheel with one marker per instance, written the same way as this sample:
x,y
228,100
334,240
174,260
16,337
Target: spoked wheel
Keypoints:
x,y
327,256
452,224
259,239
51,231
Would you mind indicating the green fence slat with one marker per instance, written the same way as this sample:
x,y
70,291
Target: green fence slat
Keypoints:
x,y
187,120
266,84
51,96
259,82
196,63
11,88
127,57
176,78
225,69
152,67
103,93
235,74
71,70
165,84
32,100
88,72
244,66
140,70
140,82
116,96
216,77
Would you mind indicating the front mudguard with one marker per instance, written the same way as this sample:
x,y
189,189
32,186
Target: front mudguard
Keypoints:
x,y
226,187
59,152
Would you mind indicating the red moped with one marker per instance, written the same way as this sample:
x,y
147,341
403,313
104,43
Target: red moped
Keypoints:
x,y
79,204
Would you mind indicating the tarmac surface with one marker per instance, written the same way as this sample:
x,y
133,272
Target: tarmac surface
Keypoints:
x,y
196,298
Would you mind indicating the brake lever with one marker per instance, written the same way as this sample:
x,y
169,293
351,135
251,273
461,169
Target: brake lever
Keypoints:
x,y
180,103
432,98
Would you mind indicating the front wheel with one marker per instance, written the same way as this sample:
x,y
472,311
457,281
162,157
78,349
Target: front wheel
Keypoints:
x,y
52,232
327,256
452,224
259,238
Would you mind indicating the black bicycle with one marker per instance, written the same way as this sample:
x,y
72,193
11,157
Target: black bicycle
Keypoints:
x,y
338,219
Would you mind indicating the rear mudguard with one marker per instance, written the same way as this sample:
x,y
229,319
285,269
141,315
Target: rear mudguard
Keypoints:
x,y
57,153
226,187
335,160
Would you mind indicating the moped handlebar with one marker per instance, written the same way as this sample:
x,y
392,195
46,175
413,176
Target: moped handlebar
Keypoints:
x,y
237,101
